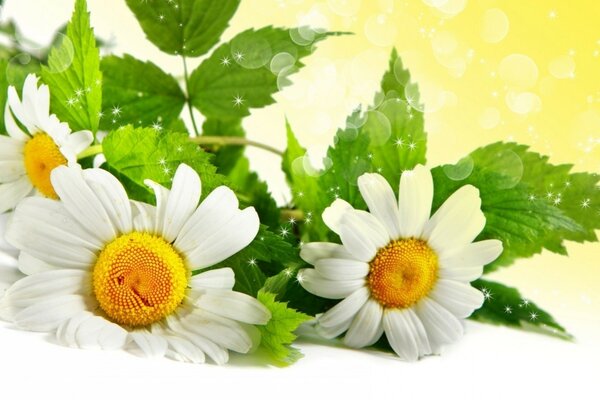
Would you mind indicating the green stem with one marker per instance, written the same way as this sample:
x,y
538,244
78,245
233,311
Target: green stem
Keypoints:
x,y
214,140
234,141
187,99
90,151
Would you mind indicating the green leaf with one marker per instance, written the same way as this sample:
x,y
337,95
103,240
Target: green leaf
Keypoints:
x,y
226,157
505,306
183,27
278,334
270,251
156,99
577,195
239,74
73,74
512,183
136,154
387,139
304,185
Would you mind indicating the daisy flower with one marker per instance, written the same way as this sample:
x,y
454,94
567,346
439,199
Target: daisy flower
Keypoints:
x,y
106,272
398,271
27,157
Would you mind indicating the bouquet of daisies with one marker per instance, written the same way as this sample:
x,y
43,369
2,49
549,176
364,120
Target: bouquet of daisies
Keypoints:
x,y
132,229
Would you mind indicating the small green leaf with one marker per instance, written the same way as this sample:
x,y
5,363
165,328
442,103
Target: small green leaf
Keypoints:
x,y
245,72
512,185
505,306
278,334
184,27
73,74
136,154
155,100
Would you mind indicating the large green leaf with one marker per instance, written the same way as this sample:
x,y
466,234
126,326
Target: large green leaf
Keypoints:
x,y
278,334
512,184
505,306
136,154
245,72
138,93
183,27
73,74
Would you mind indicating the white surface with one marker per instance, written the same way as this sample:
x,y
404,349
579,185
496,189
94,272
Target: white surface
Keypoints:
x,y
489,363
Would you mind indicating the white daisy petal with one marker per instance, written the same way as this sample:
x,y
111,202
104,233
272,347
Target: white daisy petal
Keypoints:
x,y
75,143
340,269
112,336
182,201
217,209
345,310
42,228
215,244
48,315
333,215
58,132
99,160
39,287
234,305
366,327
11,170
420,333
461,299
222,278
221,331
12,128
151,345
30,265
184,350
144,216
369,226
30,100
19,112
162,195
311,252
42,102
466,264
313,282
457,222
82,203
442,327
356,242
401,333
215,352
414,200
11,149
380,199
65,333
333,331
111,193
13,192
98,333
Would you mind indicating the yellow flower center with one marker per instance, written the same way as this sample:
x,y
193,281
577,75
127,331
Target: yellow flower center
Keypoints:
x,y
42,155
402,273
139,279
